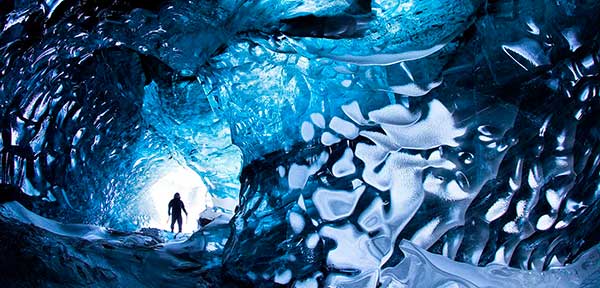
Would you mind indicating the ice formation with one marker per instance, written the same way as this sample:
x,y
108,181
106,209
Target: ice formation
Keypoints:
x,y
343,143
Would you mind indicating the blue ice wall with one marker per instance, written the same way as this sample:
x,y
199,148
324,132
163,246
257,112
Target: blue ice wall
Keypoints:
x,y
341,128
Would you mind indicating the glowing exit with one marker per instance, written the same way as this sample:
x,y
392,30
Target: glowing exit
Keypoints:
x,y
193,193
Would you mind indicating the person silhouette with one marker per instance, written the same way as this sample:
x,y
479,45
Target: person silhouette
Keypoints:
x,y
175,207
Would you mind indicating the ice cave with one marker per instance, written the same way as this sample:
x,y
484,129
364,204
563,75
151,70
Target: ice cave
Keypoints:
x,y
314,143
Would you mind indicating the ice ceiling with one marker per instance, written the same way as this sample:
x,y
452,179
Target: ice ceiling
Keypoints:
x,y
347,137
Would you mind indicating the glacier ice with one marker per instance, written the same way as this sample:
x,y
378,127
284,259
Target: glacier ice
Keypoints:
x,y
345,143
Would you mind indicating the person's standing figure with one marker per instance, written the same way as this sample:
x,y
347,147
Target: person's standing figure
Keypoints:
x,y
175,207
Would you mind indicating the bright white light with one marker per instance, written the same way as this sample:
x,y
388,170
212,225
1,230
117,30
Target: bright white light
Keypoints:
x,y
193,194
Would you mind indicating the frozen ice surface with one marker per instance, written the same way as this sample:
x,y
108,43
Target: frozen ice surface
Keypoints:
x,y
450,143
85,255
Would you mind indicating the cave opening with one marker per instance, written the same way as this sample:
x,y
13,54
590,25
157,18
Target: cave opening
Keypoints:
x,y
193,191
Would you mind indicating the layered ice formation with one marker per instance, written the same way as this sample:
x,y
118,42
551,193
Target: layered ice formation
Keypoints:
x,y
447,143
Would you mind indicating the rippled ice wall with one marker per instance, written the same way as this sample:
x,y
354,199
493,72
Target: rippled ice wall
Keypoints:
x,y
342,128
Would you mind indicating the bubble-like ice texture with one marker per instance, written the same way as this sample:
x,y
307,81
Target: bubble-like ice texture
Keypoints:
x,y
466,159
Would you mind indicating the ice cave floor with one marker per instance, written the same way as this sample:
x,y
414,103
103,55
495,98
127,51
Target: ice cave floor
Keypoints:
x,y
41,252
